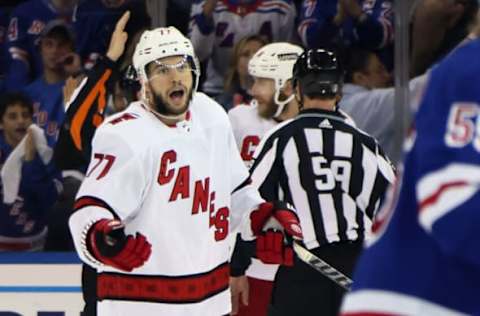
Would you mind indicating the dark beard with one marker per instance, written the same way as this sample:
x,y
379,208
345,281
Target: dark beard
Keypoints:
x,y
160,106
269,110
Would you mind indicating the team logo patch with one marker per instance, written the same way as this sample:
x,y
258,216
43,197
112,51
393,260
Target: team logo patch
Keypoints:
x,y
325,124
36,27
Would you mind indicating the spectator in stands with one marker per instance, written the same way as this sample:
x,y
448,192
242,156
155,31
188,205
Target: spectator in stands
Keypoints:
x,y
3,34
26,23
238,82
59,61
364,23
438,26
92,21
217,25
177,13
29,182
364,71
95,21
373,110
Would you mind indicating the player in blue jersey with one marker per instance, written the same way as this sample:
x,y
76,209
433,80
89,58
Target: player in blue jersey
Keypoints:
x,y
424,258
365,23
22,216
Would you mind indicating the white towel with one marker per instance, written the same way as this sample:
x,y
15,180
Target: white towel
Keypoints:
x,y
12,168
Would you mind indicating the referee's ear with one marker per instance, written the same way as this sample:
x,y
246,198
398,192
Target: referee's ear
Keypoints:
x,y
298,94
338,97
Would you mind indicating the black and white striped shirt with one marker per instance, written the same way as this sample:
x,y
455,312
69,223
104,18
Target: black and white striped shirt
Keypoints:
x,y
333,174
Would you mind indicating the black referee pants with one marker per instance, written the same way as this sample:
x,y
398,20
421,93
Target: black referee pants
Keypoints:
x,y
302,291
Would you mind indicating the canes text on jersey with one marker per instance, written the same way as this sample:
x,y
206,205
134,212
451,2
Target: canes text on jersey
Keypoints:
x,y
202,197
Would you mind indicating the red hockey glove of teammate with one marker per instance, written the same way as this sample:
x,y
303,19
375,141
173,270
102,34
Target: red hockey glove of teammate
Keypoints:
x,y
271,246
108,243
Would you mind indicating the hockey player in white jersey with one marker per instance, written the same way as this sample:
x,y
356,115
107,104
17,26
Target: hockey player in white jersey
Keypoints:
x,y
271,68
164,187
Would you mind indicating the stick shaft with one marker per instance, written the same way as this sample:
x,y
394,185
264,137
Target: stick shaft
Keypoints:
x,y
322,266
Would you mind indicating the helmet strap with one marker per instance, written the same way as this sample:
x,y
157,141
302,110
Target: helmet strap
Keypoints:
x,y
281,104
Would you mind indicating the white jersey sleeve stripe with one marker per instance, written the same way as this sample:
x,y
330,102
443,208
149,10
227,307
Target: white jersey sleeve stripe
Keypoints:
x,y
442,191
346,139
370,173
350,212
329,216
317,135
299,196
262,170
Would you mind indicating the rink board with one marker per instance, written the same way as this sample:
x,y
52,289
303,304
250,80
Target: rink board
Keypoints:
x,y
40,284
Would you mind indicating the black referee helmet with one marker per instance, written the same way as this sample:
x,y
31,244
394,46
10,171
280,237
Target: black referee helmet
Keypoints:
x,y
318,74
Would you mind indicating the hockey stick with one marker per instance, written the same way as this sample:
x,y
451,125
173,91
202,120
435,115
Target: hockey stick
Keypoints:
x,y
321,266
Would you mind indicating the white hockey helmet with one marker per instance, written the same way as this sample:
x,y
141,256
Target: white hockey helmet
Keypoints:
x,y
275,61
164,42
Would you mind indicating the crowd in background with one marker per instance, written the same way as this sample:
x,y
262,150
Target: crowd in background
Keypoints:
x,y
47,47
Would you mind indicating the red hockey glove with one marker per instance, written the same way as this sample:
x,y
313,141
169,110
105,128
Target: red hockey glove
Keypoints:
x,y
108,243
271,246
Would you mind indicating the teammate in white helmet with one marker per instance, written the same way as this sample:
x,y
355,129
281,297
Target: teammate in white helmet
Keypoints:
x,y
164,187
271,68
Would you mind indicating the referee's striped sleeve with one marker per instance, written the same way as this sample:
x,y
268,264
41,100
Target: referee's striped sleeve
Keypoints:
x,y
263,173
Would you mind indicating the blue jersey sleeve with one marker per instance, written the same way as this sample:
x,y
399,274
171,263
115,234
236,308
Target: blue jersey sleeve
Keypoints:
x,y
3,49
316,27
205,25
18,52
39,189
39,180
376,31
447,151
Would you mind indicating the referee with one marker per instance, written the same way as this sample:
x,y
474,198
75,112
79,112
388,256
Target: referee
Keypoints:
x,y
333,174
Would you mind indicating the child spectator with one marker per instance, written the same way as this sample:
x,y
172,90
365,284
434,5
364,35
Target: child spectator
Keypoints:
x,y
29,185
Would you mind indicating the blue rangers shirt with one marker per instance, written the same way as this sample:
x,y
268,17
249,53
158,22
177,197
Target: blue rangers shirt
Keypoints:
x,y
425,259
3,34
317,28
90,20
23,223
48,107
232,20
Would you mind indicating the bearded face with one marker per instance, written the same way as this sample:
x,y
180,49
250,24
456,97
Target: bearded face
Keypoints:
x,y
170,82
263,91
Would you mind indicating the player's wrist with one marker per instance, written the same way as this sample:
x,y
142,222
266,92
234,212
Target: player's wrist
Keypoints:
x,y
103,241
275,215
